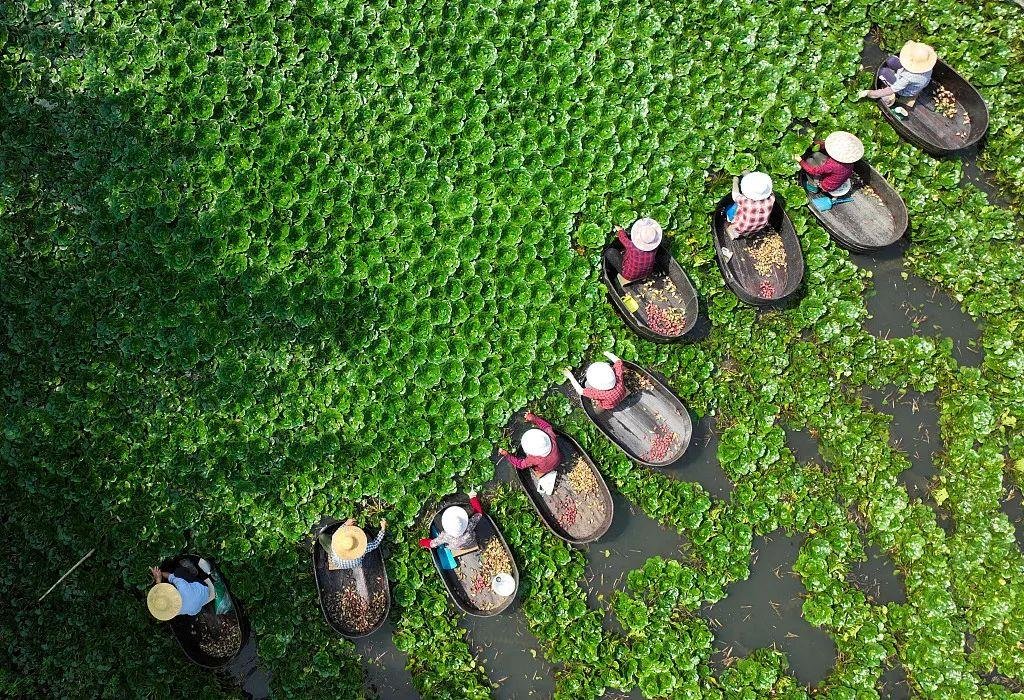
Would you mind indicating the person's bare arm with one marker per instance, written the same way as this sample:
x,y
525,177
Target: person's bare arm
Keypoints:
x,y
572,380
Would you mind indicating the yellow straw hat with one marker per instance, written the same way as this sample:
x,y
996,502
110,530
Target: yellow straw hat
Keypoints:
x,y
917,57
348,542
163,601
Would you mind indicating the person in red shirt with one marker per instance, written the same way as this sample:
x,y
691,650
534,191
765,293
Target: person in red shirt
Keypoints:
x,y
458,528
753,202
606,385
540,445
639,249
842,150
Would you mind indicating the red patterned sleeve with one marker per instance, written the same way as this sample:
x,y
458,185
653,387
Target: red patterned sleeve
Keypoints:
x,y
619,368
624,238
517,462
544,425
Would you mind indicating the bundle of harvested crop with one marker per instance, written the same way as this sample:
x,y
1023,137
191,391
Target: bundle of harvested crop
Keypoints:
x,y
662,443
581,477
767,252
869,191
569,512
355,611
945,102
637,382
217,635
665,321
494,560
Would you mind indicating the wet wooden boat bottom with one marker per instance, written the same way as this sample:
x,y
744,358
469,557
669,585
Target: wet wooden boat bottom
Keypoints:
x,y
469,569
866,219
745,269
638,419
589,507
937,127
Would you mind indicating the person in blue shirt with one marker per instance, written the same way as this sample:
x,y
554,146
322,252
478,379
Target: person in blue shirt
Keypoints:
x,y
172,595
906,75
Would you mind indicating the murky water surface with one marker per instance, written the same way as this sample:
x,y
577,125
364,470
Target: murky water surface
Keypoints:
x,y
766,610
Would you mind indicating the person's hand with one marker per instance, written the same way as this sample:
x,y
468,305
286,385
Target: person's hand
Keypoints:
x,y
861,94
797,158
472,494
503,452
350,521
735,181
383,524
158,575
529,415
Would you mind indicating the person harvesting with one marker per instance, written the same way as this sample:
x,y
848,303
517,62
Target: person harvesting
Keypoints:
x,y
540,446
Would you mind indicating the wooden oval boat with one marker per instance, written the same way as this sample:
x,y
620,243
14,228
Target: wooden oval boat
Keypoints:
x,y
668,288
937,133
369,582
740,272
185,628
574,517
876,218
458,582
650,410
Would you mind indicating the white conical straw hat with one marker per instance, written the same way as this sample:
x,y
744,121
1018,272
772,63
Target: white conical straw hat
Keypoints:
x,y
756,186
844,147
454,520
645,234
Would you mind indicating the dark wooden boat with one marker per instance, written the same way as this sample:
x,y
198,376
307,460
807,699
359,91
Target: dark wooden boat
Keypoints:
x,y
593,511
485,603
650,409
740,273
936,133
184,628
369,581
668,280
876,218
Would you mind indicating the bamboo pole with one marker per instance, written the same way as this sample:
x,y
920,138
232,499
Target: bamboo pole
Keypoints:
x,y
65,575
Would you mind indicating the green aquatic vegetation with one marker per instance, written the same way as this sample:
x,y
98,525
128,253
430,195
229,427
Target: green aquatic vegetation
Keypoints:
x,y
269,260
